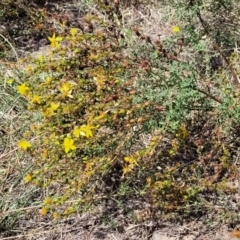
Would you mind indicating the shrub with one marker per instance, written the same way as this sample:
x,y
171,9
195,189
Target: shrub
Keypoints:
x,y
99,97
85,100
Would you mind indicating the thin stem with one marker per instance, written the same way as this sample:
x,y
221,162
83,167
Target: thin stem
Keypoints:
x,y
6,40
210,96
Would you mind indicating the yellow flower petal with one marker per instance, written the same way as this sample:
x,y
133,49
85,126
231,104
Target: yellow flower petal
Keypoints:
x,y
73,31
43,211
175,29
47,201
36,99
68,144
66,88
130,160
77,132
86,130
23,144
23,89
28,178
55,41
56,215
54,106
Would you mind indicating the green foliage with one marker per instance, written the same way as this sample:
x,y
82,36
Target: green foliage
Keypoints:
x,y
210,28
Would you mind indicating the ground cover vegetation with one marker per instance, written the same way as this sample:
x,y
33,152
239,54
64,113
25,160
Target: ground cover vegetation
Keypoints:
x,y
111,112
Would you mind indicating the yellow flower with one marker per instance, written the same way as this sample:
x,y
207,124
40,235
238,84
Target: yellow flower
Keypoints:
x,y
48,80
126,169
131,164
47,201
40,58
55,41
28,178
43,211
56,215
50,110
36,99
175,29
84,130
54,106
77,132
65,89
73,31
68,144
23,89
24,144
130,160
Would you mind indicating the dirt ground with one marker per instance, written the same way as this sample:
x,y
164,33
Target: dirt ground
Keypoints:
x,y
88,227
